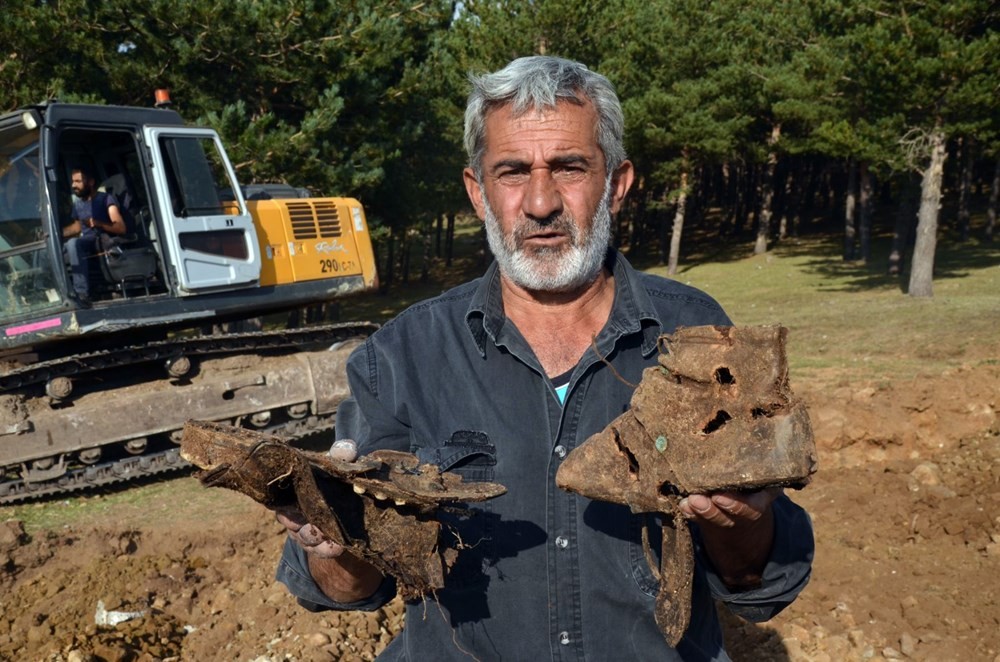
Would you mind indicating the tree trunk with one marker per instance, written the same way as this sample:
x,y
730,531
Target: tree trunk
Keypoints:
x,y
808,197
663,231
831,193
404,257
731,198
788,206
866,200
388,274
850,212
767,192
922,273
906,218
675,235
449,239
991,210
425,266
964,186
750,209
438,231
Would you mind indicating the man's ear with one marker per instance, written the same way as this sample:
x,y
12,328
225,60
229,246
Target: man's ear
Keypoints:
x,y
621,182
475,192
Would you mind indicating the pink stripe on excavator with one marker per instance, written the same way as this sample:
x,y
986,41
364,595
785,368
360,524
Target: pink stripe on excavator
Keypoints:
x,y
36,326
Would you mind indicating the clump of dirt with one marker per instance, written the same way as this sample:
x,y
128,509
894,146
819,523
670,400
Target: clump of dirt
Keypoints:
x,y
12,412
906,506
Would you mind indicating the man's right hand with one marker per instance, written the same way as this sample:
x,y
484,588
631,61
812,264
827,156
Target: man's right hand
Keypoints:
x,y
306,535
310,538
339,574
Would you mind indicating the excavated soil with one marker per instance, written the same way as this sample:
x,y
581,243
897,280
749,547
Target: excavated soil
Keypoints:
x,y
906,506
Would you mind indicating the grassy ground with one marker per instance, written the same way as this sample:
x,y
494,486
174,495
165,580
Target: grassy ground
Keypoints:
x,y
142,501
852,321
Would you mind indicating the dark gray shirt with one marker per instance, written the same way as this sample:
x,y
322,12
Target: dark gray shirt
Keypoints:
x,y
545,574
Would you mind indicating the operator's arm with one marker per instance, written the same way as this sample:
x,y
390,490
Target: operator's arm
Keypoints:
x,y
72,229
117,224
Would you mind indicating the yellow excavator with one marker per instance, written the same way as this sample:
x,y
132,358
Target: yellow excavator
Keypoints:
x,y
96,392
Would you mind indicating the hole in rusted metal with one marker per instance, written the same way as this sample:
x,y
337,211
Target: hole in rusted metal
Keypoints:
x,y
723,376
721,418
633,464
667,489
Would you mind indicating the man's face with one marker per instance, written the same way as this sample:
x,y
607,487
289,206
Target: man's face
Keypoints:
x,y
545,197
81,185
551,268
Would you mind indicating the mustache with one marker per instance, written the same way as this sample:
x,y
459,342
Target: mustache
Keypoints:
x,y
561,223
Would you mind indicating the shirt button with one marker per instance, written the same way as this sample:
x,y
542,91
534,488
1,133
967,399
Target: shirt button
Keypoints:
x,y
562,541
560,450
564,638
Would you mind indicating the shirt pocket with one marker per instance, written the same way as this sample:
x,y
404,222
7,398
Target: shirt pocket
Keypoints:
x,y
469,528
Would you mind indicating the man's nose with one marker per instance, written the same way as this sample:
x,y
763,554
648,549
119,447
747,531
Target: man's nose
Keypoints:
x,y
542,199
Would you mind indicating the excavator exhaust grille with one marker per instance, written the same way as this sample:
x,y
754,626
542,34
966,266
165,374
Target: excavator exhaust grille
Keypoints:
x,y
317,219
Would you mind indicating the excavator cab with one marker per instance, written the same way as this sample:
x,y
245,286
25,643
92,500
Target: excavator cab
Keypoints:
x,y
194,246
188,229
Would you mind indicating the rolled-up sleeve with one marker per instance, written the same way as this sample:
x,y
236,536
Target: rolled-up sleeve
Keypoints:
x,y
293,572
787,571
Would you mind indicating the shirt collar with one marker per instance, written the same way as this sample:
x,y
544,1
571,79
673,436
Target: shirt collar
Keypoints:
x,y
632,311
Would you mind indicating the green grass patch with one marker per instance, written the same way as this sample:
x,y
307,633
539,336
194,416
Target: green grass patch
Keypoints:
x,y
852,321
145,501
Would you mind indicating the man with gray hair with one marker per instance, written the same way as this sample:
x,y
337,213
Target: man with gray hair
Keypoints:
x,y
498,379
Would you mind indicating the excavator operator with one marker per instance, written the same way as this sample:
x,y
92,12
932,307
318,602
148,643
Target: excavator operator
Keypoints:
x,y
96,215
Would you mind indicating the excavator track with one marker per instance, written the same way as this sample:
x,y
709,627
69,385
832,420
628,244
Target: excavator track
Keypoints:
x,y
130,469
80,364
110,417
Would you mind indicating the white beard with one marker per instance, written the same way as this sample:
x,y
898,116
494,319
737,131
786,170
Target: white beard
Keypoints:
x,y
545,269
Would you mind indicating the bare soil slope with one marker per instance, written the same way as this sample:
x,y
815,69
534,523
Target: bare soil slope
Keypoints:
x,y
906,507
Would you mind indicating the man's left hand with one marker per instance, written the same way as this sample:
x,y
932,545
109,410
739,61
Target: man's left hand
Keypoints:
x,y
737,529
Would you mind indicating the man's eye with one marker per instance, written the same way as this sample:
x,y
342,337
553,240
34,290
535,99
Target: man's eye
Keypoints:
x,y
512,176
568,171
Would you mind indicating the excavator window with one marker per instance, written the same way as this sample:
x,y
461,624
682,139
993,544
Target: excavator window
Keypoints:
x,y
226,243
198,184
27,280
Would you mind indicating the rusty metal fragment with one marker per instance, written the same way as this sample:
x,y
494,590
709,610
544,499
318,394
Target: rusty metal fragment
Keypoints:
x,y
381,507
716,414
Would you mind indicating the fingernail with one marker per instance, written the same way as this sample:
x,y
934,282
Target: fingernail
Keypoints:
x,y
724,501
344,444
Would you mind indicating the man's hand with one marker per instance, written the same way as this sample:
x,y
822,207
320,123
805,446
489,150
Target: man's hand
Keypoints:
x,y
339,574
305,534
738,531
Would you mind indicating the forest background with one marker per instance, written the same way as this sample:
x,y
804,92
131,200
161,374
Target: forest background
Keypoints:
x,y
748,120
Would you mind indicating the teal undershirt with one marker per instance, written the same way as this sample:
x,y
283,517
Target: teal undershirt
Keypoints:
x,y
561,385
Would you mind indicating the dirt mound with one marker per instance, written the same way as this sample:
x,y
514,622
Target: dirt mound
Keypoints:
x,y
906,506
